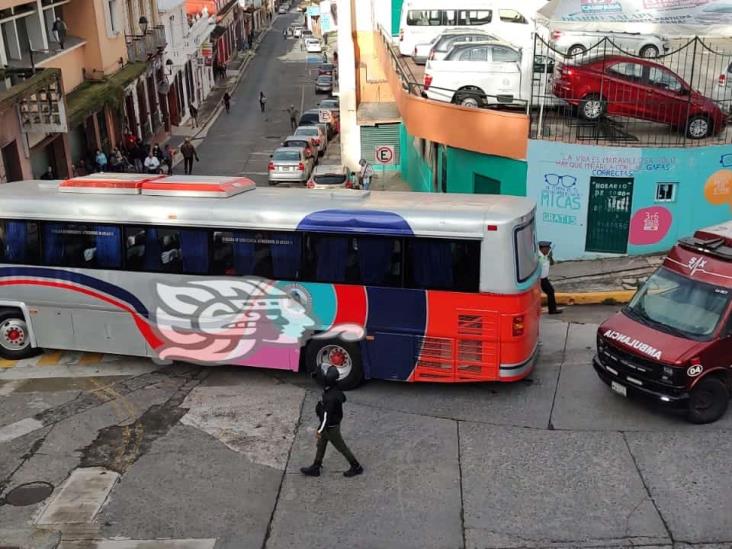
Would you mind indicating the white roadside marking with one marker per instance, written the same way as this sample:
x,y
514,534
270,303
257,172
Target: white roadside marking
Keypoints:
x,y
140,544
80,497
19,428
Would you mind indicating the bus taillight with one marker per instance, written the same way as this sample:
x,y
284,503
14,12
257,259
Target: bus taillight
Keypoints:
x,y
517,327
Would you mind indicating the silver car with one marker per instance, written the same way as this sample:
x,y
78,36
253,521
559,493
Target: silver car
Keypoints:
x,y
289,164
330,176
439,46
576,43
316,133
324,84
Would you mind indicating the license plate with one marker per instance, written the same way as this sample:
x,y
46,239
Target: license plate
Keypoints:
x,y
620,389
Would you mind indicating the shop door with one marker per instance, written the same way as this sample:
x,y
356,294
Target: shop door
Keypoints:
x,y
608,214
11,161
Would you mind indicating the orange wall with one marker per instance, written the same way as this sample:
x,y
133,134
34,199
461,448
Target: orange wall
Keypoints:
x,y
85,18
70,62
485,131
371,81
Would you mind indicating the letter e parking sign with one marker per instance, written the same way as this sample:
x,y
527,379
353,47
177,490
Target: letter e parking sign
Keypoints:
x,y
384,154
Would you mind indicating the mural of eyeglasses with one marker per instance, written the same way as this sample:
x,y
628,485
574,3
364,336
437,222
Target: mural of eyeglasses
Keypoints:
x,y
568,181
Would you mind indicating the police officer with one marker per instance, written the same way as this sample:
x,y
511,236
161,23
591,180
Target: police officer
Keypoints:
x,y
330,413
545,261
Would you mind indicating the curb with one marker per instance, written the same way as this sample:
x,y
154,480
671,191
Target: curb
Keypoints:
x,y
613,297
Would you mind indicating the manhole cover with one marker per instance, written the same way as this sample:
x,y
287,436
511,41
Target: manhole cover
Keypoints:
x,y
29,493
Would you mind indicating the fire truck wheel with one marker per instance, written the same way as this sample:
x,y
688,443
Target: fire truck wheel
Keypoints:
x,y
709,400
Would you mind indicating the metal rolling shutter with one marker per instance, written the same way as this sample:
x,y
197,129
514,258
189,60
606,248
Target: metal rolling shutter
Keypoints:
x,y
381,134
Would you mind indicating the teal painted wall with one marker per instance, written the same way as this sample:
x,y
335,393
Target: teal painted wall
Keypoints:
x,y
396,12
414,169
463,166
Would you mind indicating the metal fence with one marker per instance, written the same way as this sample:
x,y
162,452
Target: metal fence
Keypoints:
x,y
614,94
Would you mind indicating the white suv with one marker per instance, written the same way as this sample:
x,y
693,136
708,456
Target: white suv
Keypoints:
x,y
476,74
575,43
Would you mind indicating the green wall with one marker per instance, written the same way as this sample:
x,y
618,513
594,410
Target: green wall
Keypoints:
x,y
463,167
396,12
414,169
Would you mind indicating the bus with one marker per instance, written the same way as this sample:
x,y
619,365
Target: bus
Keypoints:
x,y
213,270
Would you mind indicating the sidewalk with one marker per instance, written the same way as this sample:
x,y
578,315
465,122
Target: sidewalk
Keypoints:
x,y
609,280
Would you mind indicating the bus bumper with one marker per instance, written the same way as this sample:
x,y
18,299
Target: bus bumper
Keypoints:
x,y
515,372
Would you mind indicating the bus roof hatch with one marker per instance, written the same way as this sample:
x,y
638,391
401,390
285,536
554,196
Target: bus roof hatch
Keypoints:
x,y
198,186
107,183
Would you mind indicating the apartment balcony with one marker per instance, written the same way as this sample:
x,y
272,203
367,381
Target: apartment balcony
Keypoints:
x,y
143,47
29,59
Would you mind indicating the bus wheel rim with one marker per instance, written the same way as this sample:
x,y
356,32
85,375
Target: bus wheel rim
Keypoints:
x,y
335,355
13,334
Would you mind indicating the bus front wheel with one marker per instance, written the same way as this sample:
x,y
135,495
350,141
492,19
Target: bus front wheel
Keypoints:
x,y
15,341
708,400
321,354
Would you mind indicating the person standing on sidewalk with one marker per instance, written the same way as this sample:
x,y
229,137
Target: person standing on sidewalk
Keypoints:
x,y
227,102
193,111
189,153
169,158
545,261
366,173
262,101
330,413
292,111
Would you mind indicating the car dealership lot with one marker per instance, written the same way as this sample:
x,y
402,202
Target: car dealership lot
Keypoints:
x,y
555,461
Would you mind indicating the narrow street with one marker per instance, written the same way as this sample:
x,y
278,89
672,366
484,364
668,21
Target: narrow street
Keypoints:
x,y
239,143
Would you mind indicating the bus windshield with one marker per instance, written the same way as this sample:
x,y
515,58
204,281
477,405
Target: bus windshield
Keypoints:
x,y
679,305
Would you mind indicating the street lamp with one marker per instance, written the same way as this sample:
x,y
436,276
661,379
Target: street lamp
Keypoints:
x,y
143,24
169,65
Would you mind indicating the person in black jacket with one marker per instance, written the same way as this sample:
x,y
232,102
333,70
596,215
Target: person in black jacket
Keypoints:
x,y
330,413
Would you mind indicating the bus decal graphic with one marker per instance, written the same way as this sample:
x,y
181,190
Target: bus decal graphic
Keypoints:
x,y
215,321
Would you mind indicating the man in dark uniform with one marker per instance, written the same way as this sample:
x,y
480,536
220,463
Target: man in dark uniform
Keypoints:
x,y
330,412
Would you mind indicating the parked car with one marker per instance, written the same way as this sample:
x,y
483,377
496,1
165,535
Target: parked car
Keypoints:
x,y
575,43
327,68
324,84
320,140
476,74
289,164
312,117
282,10
302,141
312,45
296,31
442,43
722,90
330,176
637,88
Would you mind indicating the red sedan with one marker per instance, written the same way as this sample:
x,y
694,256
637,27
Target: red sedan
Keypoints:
x,y
637,88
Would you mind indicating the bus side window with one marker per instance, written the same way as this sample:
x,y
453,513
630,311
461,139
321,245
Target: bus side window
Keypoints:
x,y
268,254
19,242
441,264
84,246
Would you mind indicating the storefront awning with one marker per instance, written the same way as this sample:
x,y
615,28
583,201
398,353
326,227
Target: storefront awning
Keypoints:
x,y
91,97
217,32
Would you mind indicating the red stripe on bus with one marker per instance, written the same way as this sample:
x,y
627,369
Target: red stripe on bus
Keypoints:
x,y
152,339
352,305
165,185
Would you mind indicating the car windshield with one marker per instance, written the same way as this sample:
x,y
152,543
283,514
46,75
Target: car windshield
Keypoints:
x,y
296,143
330,179
679,305
329,104
324,79
292,156
312,130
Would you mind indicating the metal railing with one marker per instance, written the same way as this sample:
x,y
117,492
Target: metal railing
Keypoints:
x,y
609,93
141,47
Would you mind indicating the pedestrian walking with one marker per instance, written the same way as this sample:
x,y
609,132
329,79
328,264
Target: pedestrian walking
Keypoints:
x,y
365,175
284,33
545,261
330,413
250,40
227,101
262,101
325,57
193,111
292,111
152,164
169,158
189,153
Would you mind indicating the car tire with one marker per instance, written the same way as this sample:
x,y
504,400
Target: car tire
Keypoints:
x,y
592,107
708,401
698,127
575,50
322,353
649,52
472,99
15,342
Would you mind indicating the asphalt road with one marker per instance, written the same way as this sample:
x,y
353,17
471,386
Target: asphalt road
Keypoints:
x,y
209,457
240,142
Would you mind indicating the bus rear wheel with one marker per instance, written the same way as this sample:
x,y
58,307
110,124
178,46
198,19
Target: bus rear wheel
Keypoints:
x,y
708,400
321,354
15,341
